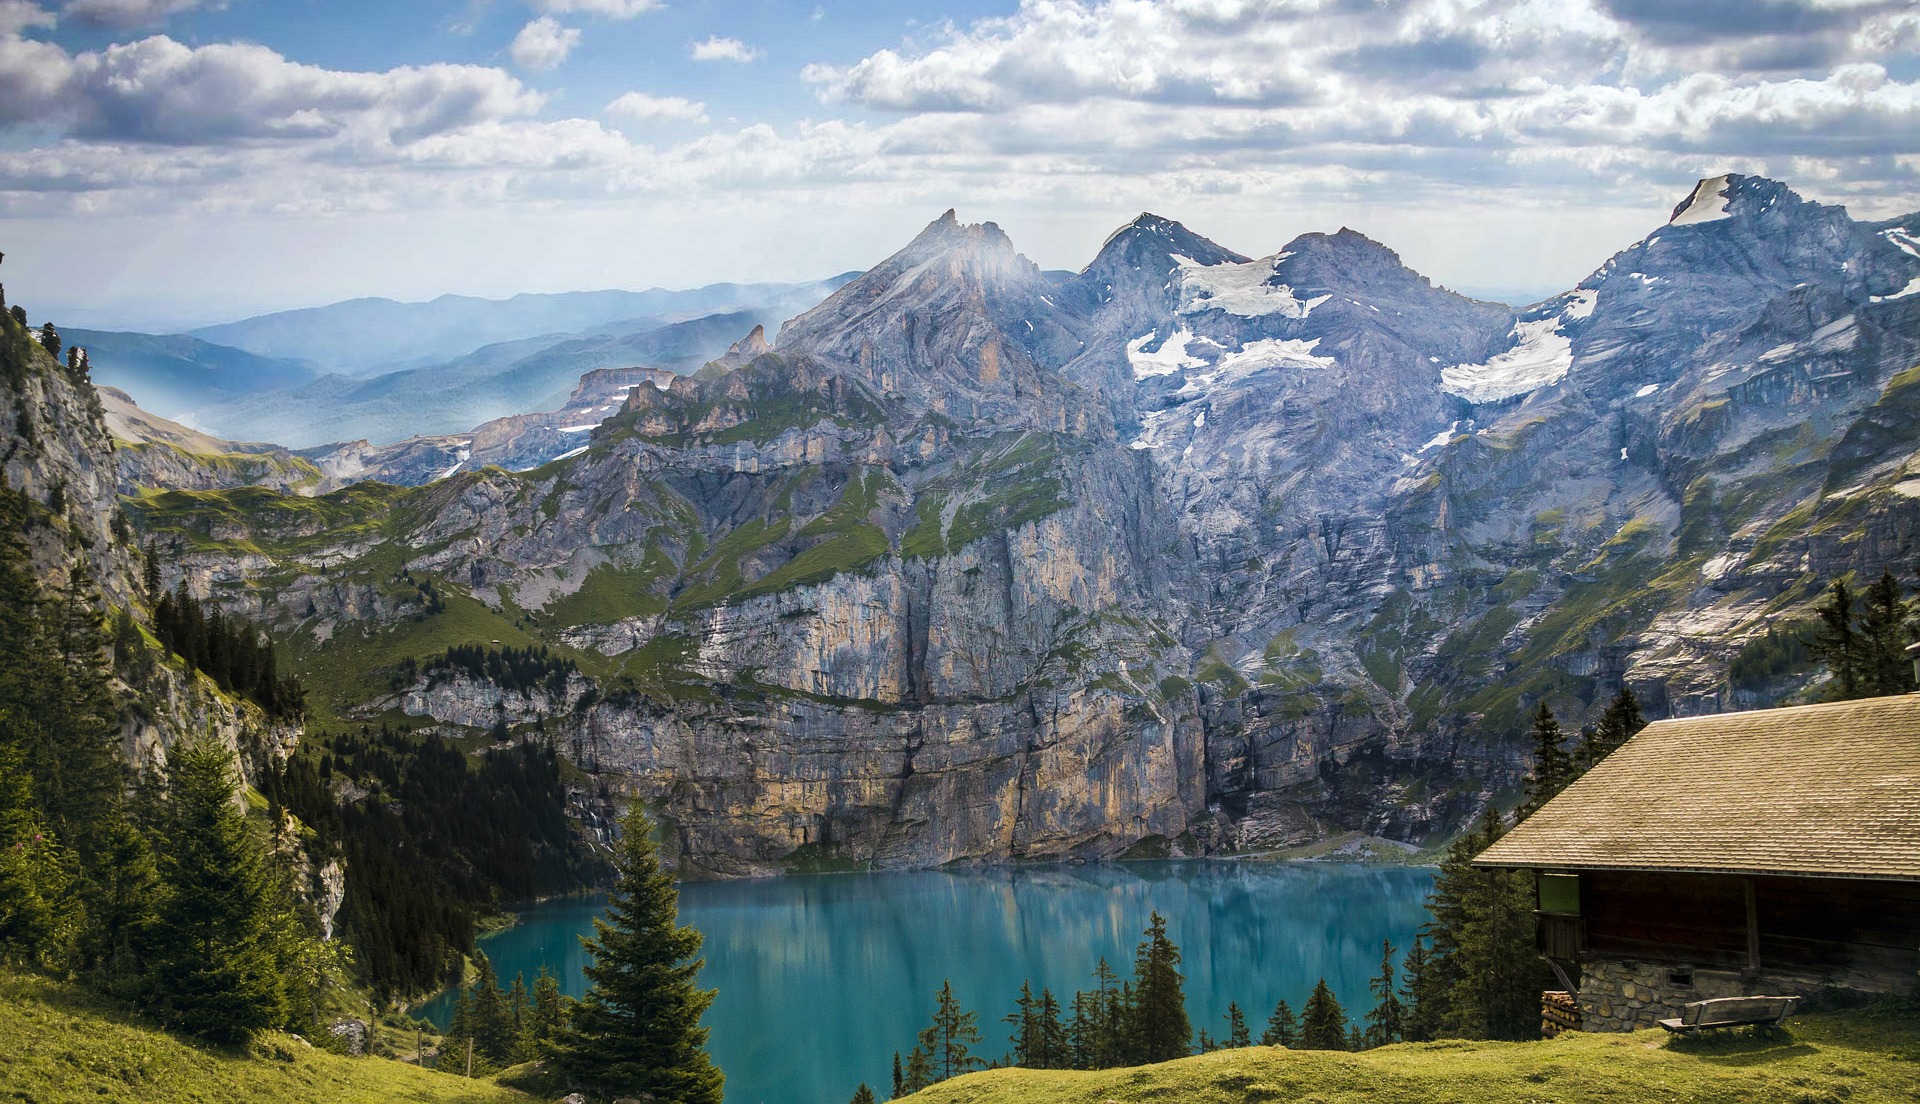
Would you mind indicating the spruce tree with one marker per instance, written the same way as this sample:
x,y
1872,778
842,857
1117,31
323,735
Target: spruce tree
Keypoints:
x,y
1620,723
862,1095
492,1020
1323,1023
1157,1025
122,898
1884,665
919,1065
899,1079
951,1037
1237,1034
1485,971
1835,643
36,917
1387,1022
216,967
546,1014
1054,1051
1025,1039
1095,1036
1283,1030
1422,998
638,1030
1551,767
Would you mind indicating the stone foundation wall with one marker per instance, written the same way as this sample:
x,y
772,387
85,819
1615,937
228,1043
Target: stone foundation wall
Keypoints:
x,y
1628,996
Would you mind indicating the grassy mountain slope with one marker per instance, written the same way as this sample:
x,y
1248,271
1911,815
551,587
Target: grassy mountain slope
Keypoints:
x,y
1853,1058
62,1045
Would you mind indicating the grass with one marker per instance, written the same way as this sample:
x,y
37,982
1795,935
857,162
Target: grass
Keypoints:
x,y
1828,1058
61,1045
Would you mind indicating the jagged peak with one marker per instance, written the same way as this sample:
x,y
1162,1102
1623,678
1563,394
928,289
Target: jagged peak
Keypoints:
x,y
1729,195
1165,235
751,345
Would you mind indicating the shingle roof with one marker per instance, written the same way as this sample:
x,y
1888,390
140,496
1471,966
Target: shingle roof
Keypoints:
x,y
1818,790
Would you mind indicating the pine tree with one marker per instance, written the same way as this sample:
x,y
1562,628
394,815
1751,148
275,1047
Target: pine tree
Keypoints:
x,y
951,1037
1835,643
1884,665
1237,1034
862,1095
1095,1036
1551,768
1026,1029
150,572
899,1079
1054,1051
122,898
1486,974
546,1015
920,1065
1283,1030
1157,1025
492,1026
1387,1022
1422,997
1620,723
1205,1043
35,916
638,1028
216,968
1355,1039
1323,1023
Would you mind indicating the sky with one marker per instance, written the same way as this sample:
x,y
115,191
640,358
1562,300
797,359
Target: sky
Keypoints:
x,y
172,162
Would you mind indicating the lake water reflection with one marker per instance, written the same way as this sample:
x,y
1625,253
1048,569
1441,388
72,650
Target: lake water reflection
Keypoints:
x,y
822,978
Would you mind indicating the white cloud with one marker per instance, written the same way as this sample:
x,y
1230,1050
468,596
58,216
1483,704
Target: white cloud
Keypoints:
x,y
642,108
129,13
612,9
22,15
543,43
722,49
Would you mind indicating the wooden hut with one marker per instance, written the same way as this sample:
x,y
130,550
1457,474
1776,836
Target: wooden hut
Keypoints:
x,y
1775,851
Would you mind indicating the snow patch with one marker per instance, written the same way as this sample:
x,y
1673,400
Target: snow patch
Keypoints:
x,y
1903,241
1647,390
1700,206
569,454
1441,437
1912,288
578,428
1581,303
1171,357
1242,289
449,471
1542,355
1253,358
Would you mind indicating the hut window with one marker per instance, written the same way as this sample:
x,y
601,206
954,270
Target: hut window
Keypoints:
x,y
1560,893
1680,979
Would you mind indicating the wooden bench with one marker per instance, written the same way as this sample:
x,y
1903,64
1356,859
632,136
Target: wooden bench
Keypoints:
x,y
1732,1012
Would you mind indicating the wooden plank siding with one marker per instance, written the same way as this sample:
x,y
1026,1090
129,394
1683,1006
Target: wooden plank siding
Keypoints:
x,y
1848,930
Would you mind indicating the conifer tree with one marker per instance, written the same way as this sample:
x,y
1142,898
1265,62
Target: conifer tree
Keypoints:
x,y
1884,636
949,1040
1620,723
1237,1033
1356,1040
216,967
1157,1025
122,898
35,916
919,1065
1551,767
546,1015
1283,1030
1054,1052
1486,974
1323,1023
899,1079
1205,1043
1387,1022
492,1026
1095,1036
1835,643
1422,998
862,1095
638,1028
1026,1029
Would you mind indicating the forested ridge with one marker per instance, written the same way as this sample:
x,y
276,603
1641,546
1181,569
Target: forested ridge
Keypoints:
x,y
431,840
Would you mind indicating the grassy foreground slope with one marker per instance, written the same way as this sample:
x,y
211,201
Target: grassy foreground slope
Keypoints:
x,y
59,1045
1820,1060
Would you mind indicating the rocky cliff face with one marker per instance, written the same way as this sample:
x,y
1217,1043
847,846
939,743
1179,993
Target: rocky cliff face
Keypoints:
x,y
1190,552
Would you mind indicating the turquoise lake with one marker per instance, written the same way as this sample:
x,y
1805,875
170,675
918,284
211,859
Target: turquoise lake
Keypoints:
x,y
821,978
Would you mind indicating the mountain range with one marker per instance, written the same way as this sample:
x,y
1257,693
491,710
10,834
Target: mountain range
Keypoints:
x,y
1186,552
